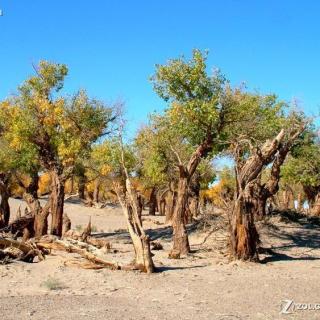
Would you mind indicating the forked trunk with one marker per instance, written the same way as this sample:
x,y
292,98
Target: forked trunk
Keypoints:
x,y
251,195
57,203
132,208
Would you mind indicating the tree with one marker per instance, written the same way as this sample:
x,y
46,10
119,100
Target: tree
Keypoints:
x,y
122,161
59,129
197,113
263,137
157,146
303,168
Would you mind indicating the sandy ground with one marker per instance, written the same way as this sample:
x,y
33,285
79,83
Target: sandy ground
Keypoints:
x,y
204,285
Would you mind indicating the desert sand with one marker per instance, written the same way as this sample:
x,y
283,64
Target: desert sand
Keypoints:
x,y
204,285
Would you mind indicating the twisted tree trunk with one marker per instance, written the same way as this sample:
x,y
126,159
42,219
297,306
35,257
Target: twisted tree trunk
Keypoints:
x,y
251,195
243,234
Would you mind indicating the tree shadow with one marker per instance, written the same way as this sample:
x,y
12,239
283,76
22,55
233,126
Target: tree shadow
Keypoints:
x,y
306,237
168,268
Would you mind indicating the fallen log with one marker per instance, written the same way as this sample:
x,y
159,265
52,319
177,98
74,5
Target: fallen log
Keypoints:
x,y
85,250
18,250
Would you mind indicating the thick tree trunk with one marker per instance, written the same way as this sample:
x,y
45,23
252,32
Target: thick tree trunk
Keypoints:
x,y
180,236
57,202
244,236
153,202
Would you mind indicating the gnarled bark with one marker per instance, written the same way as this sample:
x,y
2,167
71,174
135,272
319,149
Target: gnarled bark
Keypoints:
x,y
251,195
243,234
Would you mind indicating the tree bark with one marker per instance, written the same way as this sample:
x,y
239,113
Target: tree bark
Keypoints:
x,y
4,202
57,202
244,236
81,184
315,209
170,205
153,202
40,215
96,190
180,237
131,207
34,184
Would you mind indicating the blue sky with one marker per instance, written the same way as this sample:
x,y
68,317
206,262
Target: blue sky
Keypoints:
x,y
111,47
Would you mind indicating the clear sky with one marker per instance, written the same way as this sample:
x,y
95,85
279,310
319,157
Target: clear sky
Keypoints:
x,y
111,47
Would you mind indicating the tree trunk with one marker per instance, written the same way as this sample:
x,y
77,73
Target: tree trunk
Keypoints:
x,y
194,196
96,190
57,202
244,236
153,202
170,205
131,207
162,206
299,202
315,209
4,202
40,224
81,184
33,185
71,184
180,237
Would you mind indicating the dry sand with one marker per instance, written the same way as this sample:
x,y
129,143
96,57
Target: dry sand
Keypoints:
x,y
204,285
